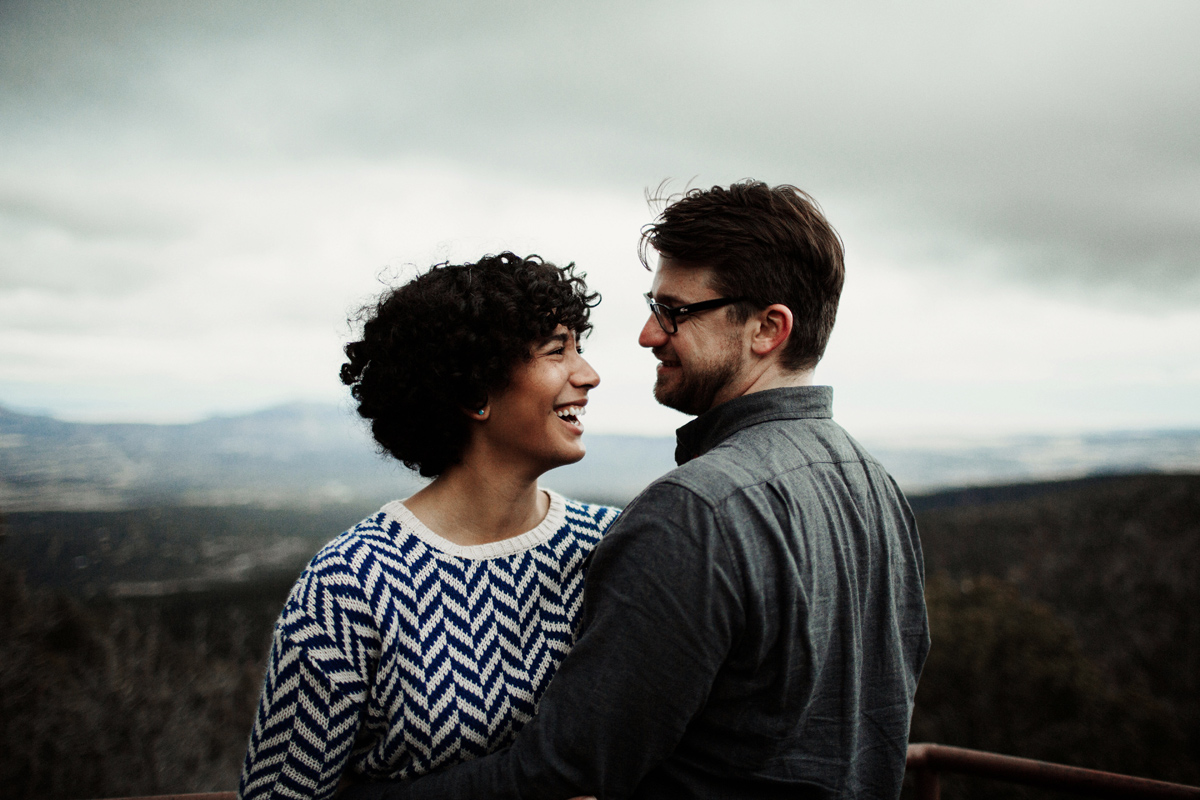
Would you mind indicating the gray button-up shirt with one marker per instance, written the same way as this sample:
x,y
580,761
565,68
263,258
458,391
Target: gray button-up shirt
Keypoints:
x,y
753,627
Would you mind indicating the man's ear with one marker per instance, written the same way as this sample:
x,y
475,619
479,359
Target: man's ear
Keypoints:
x,y
771,329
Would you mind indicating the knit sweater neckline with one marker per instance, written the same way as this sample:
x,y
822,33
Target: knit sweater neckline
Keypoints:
x,y
480,552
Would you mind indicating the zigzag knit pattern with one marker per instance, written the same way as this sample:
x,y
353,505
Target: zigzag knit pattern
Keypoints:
x,y
398,652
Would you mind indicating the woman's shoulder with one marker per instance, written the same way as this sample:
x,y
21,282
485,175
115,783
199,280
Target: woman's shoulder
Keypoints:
x,y
379,530
331,616
349,558
594,517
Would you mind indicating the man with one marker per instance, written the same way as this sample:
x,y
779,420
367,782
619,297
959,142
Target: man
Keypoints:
x,y
754,623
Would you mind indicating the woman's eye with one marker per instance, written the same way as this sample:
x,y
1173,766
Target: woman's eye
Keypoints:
x,y
579,349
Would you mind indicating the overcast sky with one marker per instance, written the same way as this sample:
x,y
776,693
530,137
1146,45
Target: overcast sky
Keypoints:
x,y
194,196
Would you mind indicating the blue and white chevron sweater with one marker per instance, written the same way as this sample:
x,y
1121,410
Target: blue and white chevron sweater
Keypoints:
x,y
398,652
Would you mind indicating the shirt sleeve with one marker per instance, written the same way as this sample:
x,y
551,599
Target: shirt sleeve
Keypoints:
x,y
661,612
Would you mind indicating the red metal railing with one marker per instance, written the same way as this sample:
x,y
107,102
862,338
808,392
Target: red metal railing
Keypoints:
x,y
927,761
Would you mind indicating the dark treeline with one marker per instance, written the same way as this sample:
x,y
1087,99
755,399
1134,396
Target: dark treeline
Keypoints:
x,y
1064,616
131,698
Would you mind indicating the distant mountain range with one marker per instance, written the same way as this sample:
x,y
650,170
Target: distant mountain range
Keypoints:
x,y
308,455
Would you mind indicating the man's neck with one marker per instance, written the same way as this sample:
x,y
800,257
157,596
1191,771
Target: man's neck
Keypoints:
x,y
770,376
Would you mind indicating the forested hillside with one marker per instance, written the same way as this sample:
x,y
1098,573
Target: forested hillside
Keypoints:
x,y
1066,620
115,699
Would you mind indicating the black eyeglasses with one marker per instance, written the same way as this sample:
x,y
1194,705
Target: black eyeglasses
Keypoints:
x,y
668,317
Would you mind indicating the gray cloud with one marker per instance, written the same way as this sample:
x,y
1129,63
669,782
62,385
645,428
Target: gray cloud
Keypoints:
x,y
1062,137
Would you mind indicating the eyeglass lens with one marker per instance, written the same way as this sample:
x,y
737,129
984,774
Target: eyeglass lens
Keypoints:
x,y
666,320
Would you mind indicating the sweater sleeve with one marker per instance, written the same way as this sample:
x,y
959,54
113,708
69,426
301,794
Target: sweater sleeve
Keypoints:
x,y
661,611
321,665
303,730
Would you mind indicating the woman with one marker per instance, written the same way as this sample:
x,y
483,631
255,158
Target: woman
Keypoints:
x,y
426,634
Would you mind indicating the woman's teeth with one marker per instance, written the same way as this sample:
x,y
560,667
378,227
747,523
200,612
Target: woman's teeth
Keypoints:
x,y
572,413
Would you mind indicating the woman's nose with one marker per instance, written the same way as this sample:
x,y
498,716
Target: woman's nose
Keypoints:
x,y
585,375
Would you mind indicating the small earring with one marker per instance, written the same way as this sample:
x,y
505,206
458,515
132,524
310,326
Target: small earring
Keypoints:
x,y
480,412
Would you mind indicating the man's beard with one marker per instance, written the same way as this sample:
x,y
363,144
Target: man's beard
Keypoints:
x,y
696,388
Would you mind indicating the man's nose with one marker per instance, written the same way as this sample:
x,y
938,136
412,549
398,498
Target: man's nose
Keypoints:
x,y
652,334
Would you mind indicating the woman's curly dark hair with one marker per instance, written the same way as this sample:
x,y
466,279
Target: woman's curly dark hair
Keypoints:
x,y
447,340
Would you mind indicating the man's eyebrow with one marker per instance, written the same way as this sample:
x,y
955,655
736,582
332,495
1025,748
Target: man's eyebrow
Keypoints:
x,y
666,299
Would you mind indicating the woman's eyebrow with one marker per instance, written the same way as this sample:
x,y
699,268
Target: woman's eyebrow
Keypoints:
x,y
557,338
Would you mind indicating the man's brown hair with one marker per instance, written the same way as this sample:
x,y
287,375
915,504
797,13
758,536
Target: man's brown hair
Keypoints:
x,y
767,244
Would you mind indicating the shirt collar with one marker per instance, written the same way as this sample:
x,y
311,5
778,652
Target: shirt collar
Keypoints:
x,y
717,424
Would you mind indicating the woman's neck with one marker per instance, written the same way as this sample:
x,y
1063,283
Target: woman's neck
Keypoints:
x,y
471,506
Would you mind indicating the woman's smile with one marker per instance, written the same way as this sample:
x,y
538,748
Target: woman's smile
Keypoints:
x,y
570,414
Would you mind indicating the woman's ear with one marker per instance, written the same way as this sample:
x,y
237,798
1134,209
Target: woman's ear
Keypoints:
x,y
478,413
